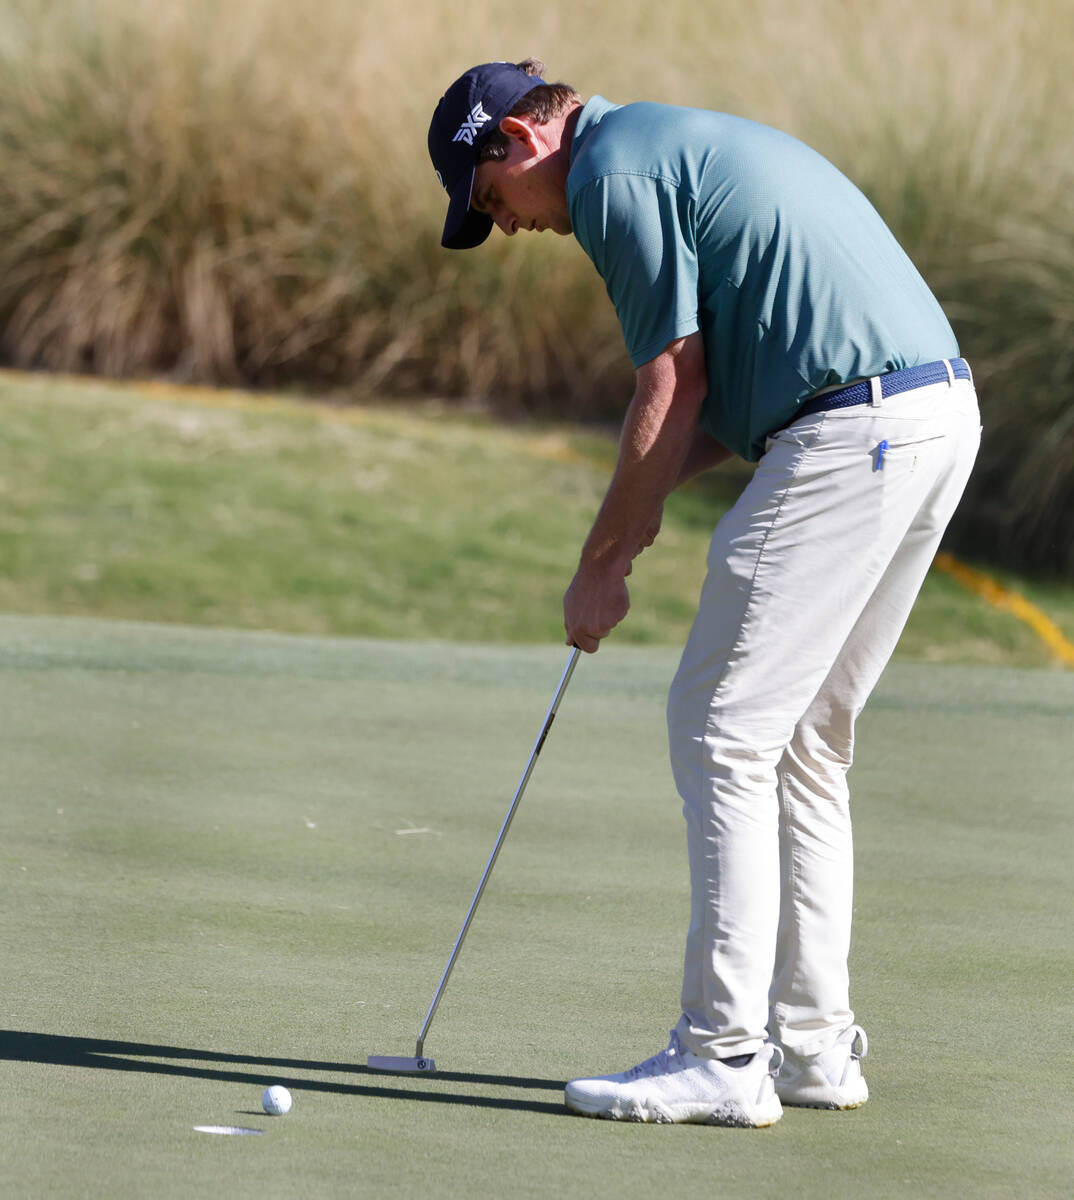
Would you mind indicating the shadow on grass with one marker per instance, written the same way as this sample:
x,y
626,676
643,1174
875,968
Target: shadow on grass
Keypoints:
x,y
103,1055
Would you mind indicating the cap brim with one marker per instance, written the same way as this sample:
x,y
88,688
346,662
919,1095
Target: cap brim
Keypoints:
x,y
464,228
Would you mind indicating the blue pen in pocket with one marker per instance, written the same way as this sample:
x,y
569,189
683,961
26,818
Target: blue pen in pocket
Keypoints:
x,y
881,447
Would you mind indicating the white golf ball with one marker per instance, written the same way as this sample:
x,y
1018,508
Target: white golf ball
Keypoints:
x,y
276,1100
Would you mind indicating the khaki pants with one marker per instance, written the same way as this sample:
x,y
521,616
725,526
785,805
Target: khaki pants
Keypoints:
x,y
811,577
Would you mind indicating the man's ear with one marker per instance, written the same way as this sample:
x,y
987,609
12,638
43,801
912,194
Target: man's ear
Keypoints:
x,y
519,130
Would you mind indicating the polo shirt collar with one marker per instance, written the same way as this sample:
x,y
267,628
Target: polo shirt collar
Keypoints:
x,y
593,112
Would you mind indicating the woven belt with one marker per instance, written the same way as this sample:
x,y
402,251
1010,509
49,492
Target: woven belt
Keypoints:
x,y
890,385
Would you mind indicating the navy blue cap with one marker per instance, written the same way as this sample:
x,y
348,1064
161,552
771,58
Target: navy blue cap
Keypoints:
x,y
470,110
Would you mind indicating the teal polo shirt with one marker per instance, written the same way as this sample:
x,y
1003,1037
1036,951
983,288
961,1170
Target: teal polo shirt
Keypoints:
x,y
698,220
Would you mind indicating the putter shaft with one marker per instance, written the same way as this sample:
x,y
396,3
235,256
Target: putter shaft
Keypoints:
x,y
568,671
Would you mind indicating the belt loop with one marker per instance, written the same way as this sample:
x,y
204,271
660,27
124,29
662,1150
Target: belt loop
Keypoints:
x,y
950,372
876,393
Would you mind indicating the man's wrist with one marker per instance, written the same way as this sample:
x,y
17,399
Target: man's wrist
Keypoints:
x,y
605,560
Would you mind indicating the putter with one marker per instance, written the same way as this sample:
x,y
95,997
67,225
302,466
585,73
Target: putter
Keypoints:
x,y
387,1062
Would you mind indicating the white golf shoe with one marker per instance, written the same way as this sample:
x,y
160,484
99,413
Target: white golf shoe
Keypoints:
x,y
829,1080
676,1086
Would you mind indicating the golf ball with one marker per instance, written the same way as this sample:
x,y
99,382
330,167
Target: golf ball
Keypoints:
x,y
276,1100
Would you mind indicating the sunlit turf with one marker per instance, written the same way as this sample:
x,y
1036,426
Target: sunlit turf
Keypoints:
x,y
240,511
234,859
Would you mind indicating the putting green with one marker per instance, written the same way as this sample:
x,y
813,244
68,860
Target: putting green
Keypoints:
x,y
229,860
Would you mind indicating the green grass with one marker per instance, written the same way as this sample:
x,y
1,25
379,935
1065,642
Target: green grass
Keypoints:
x,y
229,510
207,885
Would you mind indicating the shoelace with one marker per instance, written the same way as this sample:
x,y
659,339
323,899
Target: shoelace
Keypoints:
x,y
665,1060
660,1063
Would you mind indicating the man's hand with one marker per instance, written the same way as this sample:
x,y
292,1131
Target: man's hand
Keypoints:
x,y
594,604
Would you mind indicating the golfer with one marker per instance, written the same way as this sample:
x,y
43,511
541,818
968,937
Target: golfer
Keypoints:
x,y
769,313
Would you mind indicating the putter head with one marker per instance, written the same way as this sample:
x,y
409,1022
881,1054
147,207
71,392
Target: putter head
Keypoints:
x,y
388,1062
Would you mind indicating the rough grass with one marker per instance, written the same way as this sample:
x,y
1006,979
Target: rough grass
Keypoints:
x,y
226,509
240,192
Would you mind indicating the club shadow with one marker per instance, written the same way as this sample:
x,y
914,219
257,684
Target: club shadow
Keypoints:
x,y
104,1054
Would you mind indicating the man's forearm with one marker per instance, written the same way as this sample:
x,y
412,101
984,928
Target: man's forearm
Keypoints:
x,y
658,433
657,440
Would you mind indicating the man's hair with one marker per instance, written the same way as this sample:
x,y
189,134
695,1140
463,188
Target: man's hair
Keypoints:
x,y
540,104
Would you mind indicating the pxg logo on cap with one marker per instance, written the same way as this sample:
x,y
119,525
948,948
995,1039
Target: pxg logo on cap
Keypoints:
x,y
468,112
467,131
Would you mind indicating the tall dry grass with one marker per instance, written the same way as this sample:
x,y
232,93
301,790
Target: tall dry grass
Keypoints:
x,y
238,191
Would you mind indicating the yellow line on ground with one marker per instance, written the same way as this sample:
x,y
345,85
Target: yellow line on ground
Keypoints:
x,y
1017,605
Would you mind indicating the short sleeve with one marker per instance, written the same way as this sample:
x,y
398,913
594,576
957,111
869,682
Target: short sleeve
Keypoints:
x,y
639,233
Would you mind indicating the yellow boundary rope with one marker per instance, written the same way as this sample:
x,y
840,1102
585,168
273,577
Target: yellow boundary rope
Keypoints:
x,y
1003,598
